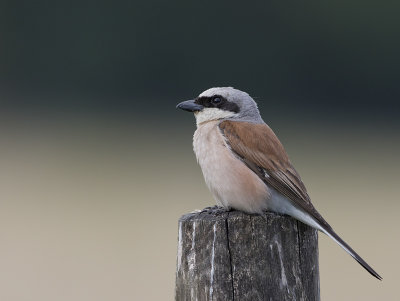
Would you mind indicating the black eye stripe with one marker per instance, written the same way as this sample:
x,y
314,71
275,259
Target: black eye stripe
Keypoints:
x,y
211,101
223,103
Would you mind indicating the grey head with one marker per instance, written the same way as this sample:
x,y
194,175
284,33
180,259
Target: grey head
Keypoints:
x,y
221,104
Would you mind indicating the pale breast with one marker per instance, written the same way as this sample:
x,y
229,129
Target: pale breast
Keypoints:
x,y
230,181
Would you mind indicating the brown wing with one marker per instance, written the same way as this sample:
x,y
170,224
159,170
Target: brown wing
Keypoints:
x,y
258,147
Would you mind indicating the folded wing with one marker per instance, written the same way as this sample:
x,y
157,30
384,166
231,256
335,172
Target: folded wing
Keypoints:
x,y
259,148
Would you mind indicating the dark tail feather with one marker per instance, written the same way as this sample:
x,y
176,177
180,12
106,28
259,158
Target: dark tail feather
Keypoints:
x,y
349,250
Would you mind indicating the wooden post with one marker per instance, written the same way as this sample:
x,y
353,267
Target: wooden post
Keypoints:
x,y
236,256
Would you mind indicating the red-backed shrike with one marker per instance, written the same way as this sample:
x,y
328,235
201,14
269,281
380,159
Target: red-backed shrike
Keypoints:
x,y
244,164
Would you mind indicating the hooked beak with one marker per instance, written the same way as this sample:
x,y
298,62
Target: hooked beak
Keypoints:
x,y
189,106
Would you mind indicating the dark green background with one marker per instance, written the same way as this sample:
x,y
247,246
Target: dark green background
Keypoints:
x,y
318,59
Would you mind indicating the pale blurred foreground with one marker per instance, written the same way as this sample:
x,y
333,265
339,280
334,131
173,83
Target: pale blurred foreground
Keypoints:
x,y
89,210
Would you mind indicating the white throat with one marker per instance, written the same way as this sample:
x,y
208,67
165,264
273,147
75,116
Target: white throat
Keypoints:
x,y
208,114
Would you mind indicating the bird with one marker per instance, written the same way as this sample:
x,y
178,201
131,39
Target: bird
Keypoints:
x,y
244,164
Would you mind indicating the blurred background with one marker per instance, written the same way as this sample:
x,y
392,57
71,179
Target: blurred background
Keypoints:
x,y
97,164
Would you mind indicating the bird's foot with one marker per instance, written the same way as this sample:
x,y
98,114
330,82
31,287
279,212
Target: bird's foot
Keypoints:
x,y
264,215
216,210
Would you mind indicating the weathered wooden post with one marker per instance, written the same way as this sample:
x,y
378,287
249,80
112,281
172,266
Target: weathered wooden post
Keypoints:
x,y
236,256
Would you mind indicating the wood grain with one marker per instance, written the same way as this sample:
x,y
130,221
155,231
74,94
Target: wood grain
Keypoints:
x,y
236,256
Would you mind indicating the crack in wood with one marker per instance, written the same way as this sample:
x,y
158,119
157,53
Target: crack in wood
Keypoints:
x,y
234,259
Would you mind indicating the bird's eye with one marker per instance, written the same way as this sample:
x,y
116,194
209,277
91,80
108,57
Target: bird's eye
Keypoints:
x,y
216,100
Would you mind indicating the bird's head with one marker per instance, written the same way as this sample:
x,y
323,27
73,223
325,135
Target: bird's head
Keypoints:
x,y
222,103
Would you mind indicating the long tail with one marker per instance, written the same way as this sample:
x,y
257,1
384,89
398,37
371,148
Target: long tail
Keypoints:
x,y
353,253
324,227
315,220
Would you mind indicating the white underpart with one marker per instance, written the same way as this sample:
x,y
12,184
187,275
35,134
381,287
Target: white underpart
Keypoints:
x,y
230,181
208,114
281,204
